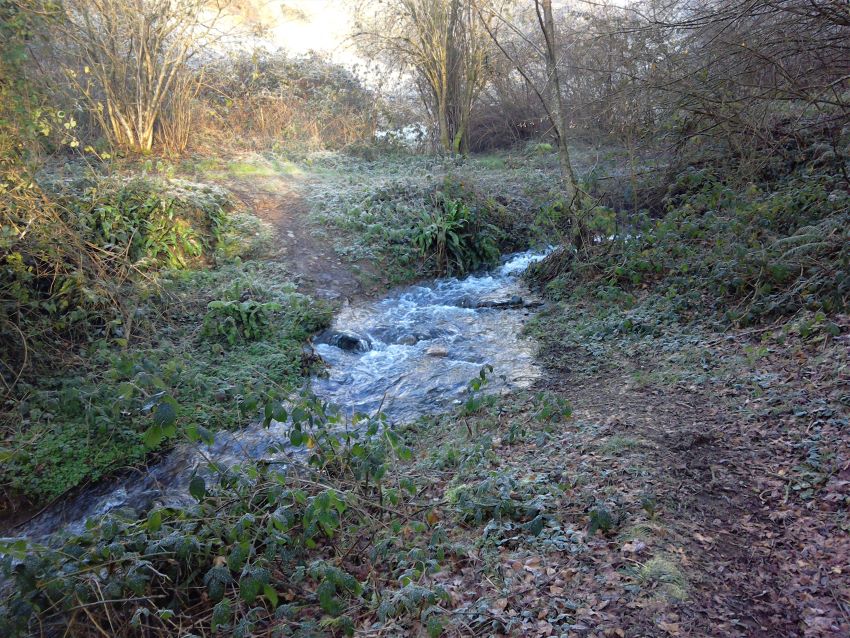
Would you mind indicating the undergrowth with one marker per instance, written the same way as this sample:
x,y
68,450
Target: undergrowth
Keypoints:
x,y
67,429
351,532
423,217
74,258
747,253
288,546
126,310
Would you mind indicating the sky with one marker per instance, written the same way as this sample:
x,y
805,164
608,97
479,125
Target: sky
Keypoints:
x,y
300,26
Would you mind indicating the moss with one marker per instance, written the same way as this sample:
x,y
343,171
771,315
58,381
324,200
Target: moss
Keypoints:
x,y
617,444
246,237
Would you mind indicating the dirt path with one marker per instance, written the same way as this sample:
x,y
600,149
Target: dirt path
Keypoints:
x,y
314,264
705,521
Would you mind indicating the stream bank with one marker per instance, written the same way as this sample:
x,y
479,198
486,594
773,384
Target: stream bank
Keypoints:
x,y
408,355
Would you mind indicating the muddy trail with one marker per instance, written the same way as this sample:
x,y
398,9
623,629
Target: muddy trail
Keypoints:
x,y
299,243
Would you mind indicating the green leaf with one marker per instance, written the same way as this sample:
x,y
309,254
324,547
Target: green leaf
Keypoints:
x,y
271,595
222,614
206,435
216,580
296,437
198,488
154,521
153,436
238,556
327,598
200,433
165,414
535,526
253,581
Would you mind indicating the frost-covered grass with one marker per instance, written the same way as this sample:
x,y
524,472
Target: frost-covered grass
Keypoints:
x,y
374,209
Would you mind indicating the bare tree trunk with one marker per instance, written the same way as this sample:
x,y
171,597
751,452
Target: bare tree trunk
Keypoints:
x,y
443,121
557,110
441,42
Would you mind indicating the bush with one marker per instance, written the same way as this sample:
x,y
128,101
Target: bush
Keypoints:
x,y
454,237
149,222
384,208
750,252
266,100
236,320
70,260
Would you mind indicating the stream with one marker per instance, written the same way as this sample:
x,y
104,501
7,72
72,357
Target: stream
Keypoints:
x,y
410,354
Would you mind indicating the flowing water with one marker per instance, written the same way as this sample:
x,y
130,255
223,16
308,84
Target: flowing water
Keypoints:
x,y
410,354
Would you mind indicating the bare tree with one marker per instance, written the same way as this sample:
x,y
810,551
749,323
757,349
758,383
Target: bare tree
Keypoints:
x,y
131,55
550,94
443,45
557,110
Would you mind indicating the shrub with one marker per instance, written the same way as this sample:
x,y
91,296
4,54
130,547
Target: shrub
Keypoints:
x,y
267,100
70,259
750,252
150,222
454,237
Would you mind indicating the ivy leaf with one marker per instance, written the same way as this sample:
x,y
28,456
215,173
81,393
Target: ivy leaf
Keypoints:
x,y
327,598
535,526
206,435
296,437
600,519
200,433
136,620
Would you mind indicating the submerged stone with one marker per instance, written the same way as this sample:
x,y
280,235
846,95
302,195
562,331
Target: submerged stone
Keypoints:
x,y
344,340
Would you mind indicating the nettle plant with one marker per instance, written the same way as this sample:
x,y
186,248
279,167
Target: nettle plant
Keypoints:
x,y
294,548
234,320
